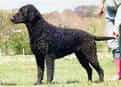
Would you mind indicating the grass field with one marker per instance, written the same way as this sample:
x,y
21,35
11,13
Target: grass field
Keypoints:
x,y
20,71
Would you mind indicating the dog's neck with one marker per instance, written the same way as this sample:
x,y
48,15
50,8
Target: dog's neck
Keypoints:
x,y
36,26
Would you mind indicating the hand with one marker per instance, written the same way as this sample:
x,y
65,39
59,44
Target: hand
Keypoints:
x,y
100,11
116,35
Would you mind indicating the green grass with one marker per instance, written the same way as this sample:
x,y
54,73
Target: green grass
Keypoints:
x,y
20,71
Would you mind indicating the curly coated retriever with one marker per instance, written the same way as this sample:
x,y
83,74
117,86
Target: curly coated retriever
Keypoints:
x,y
49,42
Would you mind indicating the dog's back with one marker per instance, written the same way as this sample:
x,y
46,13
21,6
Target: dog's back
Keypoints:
x,y
63,41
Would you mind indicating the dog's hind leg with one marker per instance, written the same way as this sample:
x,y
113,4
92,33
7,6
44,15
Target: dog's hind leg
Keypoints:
x,y
92,58
85,63
40,68
98,68
89,50
50,68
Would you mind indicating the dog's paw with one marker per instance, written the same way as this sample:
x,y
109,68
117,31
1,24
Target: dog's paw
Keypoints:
x,y
49,82
98,81
37,83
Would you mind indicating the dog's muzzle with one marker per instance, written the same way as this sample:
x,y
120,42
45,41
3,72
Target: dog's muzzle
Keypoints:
x,y
12,18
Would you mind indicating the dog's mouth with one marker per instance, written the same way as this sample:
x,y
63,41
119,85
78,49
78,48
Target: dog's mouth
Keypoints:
x,y
13,19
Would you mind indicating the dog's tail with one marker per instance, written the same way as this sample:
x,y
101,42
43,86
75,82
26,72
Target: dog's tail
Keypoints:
x,y
102,38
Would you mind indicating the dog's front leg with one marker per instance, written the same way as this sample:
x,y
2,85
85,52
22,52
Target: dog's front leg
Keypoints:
x,y
50,68
40,69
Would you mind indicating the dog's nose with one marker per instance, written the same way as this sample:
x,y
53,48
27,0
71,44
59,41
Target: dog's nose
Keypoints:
x,y
12,18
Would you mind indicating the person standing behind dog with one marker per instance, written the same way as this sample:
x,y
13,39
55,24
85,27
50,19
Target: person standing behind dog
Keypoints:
x,y
112,10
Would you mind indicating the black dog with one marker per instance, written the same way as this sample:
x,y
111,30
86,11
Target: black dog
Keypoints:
x,y
49,42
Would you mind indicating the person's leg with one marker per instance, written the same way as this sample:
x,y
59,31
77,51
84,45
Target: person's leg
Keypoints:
x,y
113,26
117,62
117,53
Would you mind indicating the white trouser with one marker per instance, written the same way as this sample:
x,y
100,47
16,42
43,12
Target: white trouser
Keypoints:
x,y
113,21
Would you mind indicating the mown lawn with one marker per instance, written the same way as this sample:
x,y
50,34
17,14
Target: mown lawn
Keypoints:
x,y
20,71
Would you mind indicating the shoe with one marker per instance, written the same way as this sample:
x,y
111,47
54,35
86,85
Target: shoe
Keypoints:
x,y
116,77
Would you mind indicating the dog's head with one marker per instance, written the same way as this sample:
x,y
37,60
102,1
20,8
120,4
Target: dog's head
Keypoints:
x,y
26,14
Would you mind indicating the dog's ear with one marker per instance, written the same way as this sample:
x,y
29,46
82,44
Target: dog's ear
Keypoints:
x,y
34,15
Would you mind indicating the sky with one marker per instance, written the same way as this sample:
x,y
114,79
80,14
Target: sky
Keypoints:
x,y
46,5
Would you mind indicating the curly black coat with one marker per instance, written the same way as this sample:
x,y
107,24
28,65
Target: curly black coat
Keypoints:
x,y
49,42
